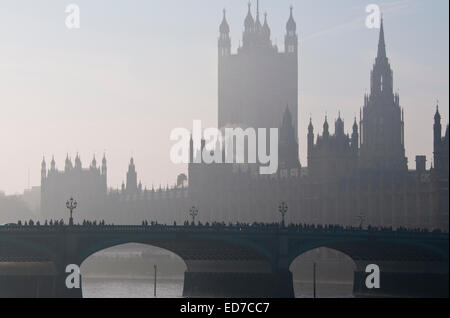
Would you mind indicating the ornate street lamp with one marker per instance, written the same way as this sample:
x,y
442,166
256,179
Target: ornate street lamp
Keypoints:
x,y
71,205
283,208
193,212
361,218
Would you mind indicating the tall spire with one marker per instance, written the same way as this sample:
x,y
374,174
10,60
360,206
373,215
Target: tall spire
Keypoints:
x,y
381,41
224,27
258,25
266,28
257,9
326,132
287,117
310,126
291,26
249,22
437,116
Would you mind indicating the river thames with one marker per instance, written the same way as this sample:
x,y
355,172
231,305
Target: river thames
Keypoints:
x,y
173,288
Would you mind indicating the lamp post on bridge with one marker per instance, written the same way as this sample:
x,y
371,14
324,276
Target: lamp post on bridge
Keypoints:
x,y
283,208
193,212
71,205
361,218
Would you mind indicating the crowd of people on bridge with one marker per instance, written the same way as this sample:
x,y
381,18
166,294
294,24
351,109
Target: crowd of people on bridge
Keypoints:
x,y
237,226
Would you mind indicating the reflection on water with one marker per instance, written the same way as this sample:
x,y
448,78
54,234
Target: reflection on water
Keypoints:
x,y
131,288
173,288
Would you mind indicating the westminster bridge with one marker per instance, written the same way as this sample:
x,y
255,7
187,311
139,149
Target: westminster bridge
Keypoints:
x,y
237,260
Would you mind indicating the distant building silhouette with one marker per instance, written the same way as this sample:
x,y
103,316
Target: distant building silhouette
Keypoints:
x,y
257,82
132,185
333,155
347,174
382,124
440,146
88,186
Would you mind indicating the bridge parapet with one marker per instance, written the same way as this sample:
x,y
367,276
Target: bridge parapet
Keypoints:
x,y
269,228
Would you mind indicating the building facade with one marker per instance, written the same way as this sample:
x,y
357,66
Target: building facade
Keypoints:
x,y
259,81
350,176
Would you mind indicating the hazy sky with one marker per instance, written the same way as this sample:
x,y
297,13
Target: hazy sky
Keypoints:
x,y
137,69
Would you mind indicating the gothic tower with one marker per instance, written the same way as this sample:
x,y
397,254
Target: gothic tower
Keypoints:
x,y
104,171
437,136
224,38
440,146
382,145
132,185
256,83
288,146
310,141
355,138
43,172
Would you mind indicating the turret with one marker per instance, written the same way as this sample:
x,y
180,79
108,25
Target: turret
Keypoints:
x,y
43,171
288,144
291,38
249,23
266,29
53,164
67,164
78,162
326,130
437,135
104,169
224,38
258,25
310,141
355,137
94,163
381,42
339,126
382,78
249,28
131,178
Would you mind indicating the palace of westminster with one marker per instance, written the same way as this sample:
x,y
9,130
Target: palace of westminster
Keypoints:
x,y
348,176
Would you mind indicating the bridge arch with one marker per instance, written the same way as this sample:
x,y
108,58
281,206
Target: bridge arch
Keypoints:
x,y
360,248
313,245
331,270
127,270
105,244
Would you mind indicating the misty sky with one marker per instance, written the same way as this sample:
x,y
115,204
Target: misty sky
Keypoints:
x,y
137,69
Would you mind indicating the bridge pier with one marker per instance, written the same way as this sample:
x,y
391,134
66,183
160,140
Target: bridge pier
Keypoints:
x,y
61,290
238,285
